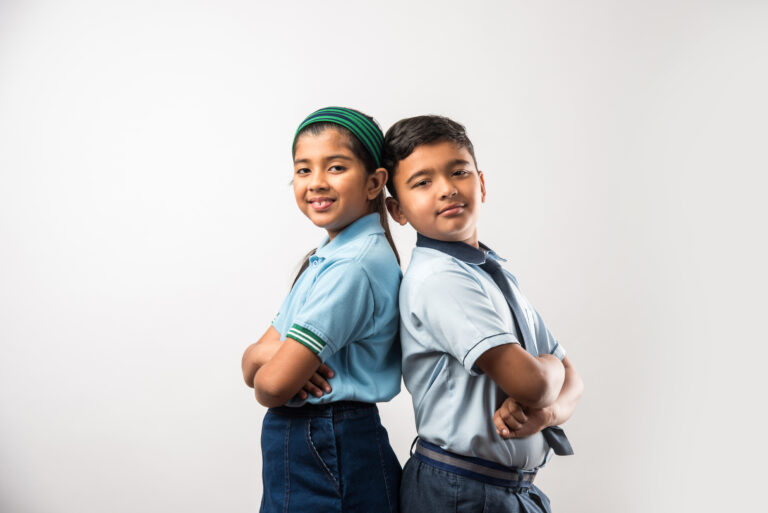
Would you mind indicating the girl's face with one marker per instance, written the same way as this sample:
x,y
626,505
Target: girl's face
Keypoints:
x,y
330,183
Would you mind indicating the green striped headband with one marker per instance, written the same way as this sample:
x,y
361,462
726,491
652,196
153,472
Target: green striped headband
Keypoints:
x,y
365,129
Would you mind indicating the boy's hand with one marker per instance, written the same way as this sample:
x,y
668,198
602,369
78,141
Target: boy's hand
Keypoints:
x,y
538,419
318,383
512,420
509,418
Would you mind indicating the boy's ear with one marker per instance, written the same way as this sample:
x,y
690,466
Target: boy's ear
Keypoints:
x,y
393,206
482,185
376,182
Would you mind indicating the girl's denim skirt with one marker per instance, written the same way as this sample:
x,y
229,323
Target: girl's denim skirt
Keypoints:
x,y
328,458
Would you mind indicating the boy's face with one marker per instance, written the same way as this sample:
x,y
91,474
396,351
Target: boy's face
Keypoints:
x,y
439,192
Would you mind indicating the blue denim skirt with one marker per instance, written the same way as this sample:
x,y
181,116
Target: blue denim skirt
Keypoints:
x,y
328,458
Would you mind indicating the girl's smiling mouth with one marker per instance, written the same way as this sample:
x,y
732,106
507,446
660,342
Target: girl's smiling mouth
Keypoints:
x,y
320,204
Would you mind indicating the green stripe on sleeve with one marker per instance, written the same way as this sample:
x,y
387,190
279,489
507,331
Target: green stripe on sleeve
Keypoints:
x,y
307,338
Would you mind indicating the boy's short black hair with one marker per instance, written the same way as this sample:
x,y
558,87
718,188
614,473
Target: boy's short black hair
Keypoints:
x,y
404,136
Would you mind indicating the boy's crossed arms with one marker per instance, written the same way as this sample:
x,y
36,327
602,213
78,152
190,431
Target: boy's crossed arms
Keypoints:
x,y
531,404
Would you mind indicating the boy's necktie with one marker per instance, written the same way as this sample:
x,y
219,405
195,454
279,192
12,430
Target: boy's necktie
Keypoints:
x,y
554,435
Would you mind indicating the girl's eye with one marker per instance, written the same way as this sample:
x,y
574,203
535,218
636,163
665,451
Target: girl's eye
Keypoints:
x,y
338,169
302,171
421,183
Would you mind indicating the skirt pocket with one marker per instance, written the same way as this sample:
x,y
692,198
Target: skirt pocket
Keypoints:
x,y
321,440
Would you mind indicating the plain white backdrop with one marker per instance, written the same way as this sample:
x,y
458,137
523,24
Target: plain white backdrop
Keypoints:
x,y
148,231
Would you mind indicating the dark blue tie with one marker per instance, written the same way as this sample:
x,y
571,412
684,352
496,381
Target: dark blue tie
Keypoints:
x,y
554,435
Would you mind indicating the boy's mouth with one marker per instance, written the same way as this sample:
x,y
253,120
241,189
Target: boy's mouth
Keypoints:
x,y
321,204
452,210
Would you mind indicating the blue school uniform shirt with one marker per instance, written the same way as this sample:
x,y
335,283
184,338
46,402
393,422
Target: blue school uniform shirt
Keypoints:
x,y
344,308
451,313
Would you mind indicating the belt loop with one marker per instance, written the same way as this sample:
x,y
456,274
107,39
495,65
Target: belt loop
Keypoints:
x,y
413,444
520,479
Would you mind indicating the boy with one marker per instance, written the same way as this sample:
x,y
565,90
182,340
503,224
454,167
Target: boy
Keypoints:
x,y
488,380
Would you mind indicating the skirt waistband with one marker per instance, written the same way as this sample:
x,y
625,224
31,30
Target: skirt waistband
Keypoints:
x,y
333,409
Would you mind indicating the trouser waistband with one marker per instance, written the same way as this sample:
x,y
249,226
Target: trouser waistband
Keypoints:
x,y
474,468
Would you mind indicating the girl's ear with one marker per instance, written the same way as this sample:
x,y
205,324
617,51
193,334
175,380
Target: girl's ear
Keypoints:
x,y
376,182
394,210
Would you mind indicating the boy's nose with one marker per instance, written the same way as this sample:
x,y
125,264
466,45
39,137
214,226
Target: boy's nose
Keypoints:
x,y
448,190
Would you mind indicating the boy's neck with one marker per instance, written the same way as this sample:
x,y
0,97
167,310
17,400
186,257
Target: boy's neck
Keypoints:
x,y
472,241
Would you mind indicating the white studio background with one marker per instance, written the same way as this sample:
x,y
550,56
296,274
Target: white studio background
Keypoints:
x,y
148,232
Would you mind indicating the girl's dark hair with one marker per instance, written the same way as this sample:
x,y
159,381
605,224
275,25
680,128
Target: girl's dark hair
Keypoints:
x,y
404,136
369,163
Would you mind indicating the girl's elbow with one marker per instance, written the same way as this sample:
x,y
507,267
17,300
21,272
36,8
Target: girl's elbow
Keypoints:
x,y
269,393
267,400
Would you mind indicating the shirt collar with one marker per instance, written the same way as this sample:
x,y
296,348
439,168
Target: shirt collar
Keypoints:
x,y
459,250
367,225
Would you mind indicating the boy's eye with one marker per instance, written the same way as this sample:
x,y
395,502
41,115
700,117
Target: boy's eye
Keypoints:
x,y
460,172
422,183
302,171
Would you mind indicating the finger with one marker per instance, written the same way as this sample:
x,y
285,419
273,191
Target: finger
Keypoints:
x,y
312,389
301,394
325,371
322,384
510,418
501,426
519,414
513,410
523,432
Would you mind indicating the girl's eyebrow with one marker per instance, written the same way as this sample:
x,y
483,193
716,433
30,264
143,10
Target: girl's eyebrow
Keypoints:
x,y
330,157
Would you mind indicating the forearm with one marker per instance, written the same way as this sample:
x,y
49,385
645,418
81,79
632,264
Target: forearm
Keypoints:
x,y
552,379
532,381
258,354
283,376
569,396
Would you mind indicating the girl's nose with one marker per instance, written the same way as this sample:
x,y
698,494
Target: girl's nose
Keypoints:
x,y
318,182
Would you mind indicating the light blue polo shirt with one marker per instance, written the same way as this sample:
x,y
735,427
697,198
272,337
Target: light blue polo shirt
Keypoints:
x,y
344,309
451,313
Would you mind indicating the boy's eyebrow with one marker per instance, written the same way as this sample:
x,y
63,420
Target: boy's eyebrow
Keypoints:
x,y
330,157
423,172
459,161
418,174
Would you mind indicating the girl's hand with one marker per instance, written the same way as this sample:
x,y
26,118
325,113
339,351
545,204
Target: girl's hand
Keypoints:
x,y
317,384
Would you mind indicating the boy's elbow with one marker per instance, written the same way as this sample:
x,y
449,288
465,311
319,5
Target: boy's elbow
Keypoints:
x,y
544,385
540,392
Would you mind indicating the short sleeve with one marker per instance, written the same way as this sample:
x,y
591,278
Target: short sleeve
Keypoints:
x,y
460,316
338,310
546,343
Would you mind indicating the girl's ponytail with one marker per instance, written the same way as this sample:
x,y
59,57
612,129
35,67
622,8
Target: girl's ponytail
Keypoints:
x,y
304,266
379,207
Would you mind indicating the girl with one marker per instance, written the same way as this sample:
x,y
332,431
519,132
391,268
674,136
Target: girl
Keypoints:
x,y
324,448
